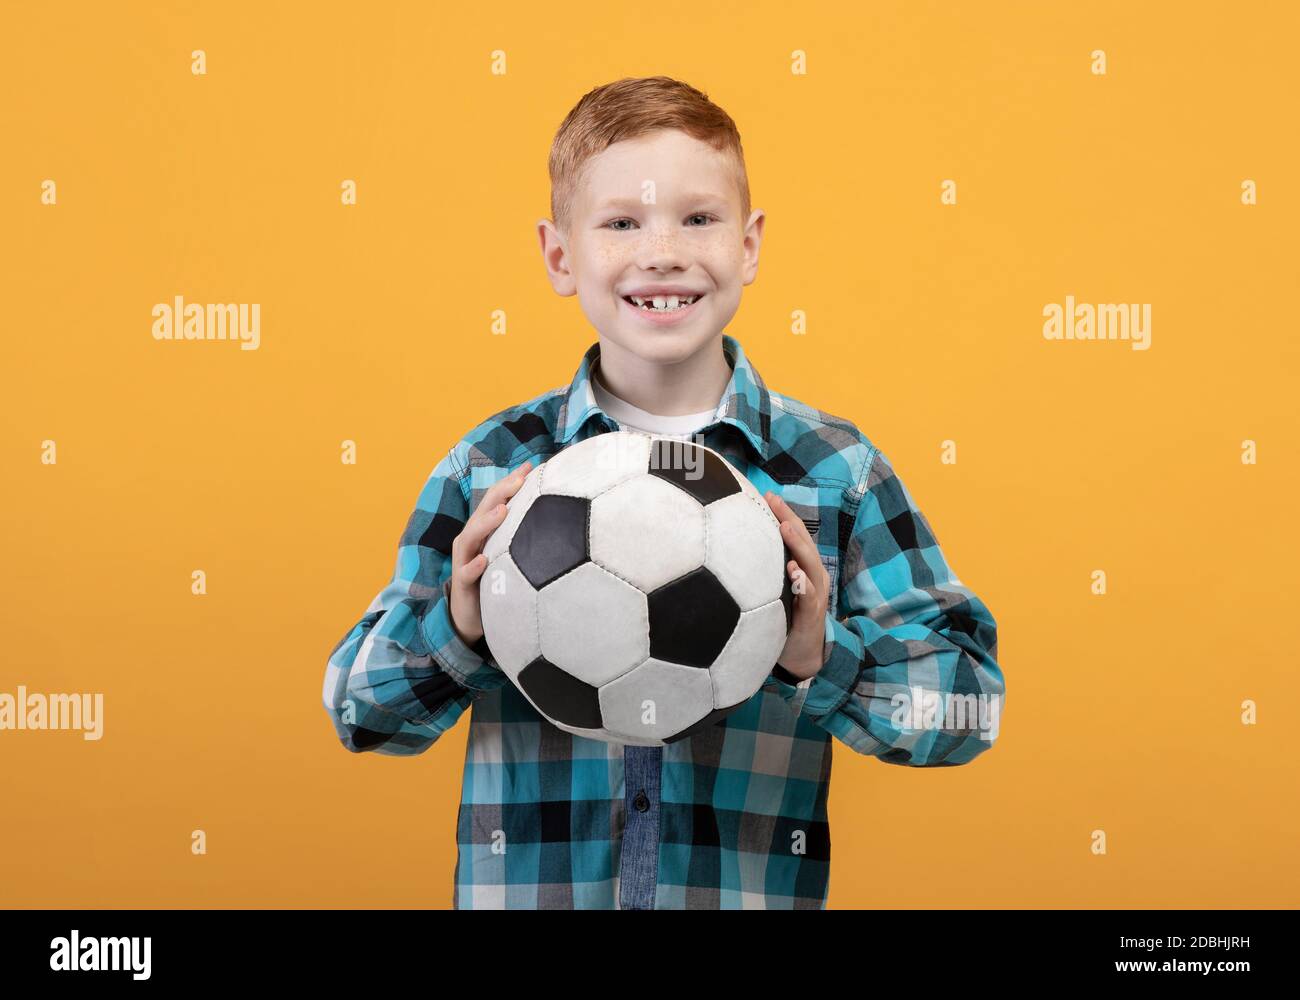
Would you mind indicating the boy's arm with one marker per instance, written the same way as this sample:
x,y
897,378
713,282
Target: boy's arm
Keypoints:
x,y
402,676
910,673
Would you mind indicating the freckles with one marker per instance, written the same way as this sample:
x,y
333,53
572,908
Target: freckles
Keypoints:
x,y
725,247
658,242
611,253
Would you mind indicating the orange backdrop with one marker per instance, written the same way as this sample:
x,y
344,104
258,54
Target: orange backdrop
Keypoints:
x,y
1124,710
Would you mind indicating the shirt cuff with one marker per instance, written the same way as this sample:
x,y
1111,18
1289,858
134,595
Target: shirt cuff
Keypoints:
x,y
460,661
831,686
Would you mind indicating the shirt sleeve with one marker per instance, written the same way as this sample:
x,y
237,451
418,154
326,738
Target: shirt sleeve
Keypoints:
x,y
402,676
910,672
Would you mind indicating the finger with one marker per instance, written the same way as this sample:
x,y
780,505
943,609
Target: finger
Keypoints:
x,y
783,511
474,568
486,518
469,543
795,535
491,511
800,583
505,487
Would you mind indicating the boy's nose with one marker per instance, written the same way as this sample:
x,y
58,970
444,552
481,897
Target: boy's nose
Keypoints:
x,y
662,250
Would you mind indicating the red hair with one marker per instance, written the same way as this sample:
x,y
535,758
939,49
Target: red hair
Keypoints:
x,y
628,108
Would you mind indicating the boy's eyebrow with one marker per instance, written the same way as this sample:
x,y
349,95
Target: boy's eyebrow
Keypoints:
x,y
693,196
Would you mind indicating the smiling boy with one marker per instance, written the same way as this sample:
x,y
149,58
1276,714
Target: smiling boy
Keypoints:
x,y
653,231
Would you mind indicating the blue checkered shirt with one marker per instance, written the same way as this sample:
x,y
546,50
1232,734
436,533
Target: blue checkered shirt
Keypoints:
x,y
731,817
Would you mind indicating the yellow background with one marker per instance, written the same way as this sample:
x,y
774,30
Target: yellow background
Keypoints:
x,y
1122,712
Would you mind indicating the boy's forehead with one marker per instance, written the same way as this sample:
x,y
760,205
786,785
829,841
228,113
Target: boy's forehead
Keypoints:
x,y
680,166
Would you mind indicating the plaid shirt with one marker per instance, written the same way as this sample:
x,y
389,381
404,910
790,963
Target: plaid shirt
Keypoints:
x,y
732,817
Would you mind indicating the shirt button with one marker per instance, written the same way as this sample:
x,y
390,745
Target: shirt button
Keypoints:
x,y
641,802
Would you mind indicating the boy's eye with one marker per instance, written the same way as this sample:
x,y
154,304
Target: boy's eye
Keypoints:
x,y
615,223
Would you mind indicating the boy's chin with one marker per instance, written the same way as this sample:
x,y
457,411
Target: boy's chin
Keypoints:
x,y
662,346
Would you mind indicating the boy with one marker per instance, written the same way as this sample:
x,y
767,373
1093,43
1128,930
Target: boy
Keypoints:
x,y
734,816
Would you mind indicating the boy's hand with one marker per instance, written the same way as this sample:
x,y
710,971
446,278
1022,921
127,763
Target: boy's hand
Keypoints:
x,y
467,559
805,646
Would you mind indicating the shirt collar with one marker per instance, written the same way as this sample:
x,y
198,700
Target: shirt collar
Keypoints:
x,y
745,403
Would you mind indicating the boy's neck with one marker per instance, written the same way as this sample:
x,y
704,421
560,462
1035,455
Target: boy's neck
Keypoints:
x,y
691,385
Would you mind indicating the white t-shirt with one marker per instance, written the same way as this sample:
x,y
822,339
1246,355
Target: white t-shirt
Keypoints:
x,y
634,418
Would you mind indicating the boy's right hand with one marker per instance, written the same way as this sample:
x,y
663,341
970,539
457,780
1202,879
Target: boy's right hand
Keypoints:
x,y
467,559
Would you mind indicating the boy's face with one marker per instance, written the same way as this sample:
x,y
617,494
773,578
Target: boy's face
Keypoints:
x,y
690,239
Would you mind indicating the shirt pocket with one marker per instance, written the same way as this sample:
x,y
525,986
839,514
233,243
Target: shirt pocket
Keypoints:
x,y
832,565
830,560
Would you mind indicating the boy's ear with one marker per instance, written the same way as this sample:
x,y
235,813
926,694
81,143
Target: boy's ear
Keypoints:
x,y
752,241
555,257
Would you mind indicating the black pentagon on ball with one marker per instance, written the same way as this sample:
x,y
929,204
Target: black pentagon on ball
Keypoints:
x,y
560,695
698,471
712,719
691,619
551,539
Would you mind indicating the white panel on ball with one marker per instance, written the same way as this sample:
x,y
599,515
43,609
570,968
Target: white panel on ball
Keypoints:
x,y
593,466
744,553
647,531
594,626
508,605
750,654
682,696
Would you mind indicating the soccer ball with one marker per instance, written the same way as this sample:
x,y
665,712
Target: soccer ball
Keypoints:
x,y
636,590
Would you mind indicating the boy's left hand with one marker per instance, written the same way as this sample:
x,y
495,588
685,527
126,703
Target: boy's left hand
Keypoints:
x,y
805,646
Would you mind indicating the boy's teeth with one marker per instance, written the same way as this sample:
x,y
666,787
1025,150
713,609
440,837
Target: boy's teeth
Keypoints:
x,y
664,302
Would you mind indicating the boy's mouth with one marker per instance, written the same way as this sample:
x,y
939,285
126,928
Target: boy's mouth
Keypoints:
x,y
661,303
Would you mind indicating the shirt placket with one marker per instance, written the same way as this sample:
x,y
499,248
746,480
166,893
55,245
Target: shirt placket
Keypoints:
x,y
639,863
